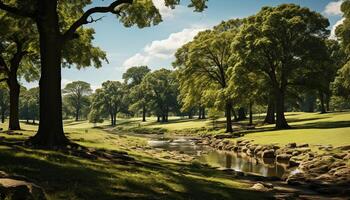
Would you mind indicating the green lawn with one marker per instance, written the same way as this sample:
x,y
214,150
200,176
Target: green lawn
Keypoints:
x,y
149,176
313,128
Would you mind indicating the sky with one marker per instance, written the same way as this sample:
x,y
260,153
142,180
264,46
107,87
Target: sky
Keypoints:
x,y
155,46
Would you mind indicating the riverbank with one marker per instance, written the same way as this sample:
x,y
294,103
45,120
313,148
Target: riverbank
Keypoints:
x,y
326,171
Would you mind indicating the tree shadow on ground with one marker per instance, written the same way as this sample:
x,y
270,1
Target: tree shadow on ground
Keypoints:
x,y
71,177
323,125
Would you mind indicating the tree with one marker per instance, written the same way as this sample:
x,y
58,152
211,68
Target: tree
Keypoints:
x,y
4,102
134,75
110,98
247,88
162,87
77,93
18,59
60,22
207,56
341,84
29,104
279,42
133,78
95,116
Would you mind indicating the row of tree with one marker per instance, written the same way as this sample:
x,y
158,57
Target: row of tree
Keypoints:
x,y
273,58
278,54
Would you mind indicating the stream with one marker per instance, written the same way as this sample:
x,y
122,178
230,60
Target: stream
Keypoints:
x,y
220,159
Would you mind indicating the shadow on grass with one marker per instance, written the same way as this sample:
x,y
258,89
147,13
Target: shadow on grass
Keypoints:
x,y
324,125
69,177
311,125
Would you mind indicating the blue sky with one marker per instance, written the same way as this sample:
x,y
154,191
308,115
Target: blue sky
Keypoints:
x,y
155,46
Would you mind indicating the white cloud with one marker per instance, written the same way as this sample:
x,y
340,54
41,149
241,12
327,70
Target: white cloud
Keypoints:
x,y
166,12
333,36
333,8
163,49
94,87
137,59
64,82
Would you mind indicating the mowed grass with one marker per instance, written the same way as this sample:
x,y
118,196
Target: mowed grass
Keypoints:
x,y
65,176
313,128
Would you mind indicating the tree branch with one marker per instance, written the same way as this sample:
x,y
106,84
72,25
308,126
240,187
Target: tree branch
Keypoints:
x,y
69,34
16,11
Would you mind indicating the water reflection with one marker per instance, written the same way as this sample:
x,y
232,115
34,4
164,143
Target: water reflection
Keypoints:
x,y
221,159
242,163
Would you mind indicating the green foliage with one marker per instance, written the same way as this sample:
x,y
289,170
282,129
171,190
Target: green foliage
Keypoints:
x,y
134,75
29,104
161,86
203,65
76,95
281,44
95,116
110,99
4,101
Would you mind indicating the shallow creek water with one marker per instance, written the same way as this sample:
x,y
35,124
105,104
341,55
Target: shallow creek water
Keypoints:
x,y
214,158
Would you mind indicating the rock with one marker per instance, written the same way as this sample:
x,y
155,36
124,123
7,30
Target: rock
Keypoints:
x,y
3,174
259,187
303,145
293,163
296,179
340,155
267,185
235,148
291,145
20,190
257,149
343,172
249,152
268,154
337,164
296,153
283,158
244,149
345,148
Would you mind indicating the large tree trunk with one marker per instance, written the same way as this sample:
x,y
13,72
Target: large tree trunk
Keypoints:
x,y
200,113
327,99
143,113
270,114
190,115
112,120
2,116
77,115
250,113
115,119
228,117
281,122
203,113
241,114
50,132
322,108
14,99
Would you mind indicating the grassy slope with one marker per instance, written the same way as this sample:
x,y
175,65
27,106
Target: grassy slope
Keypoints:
x,y
312,128
70,177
